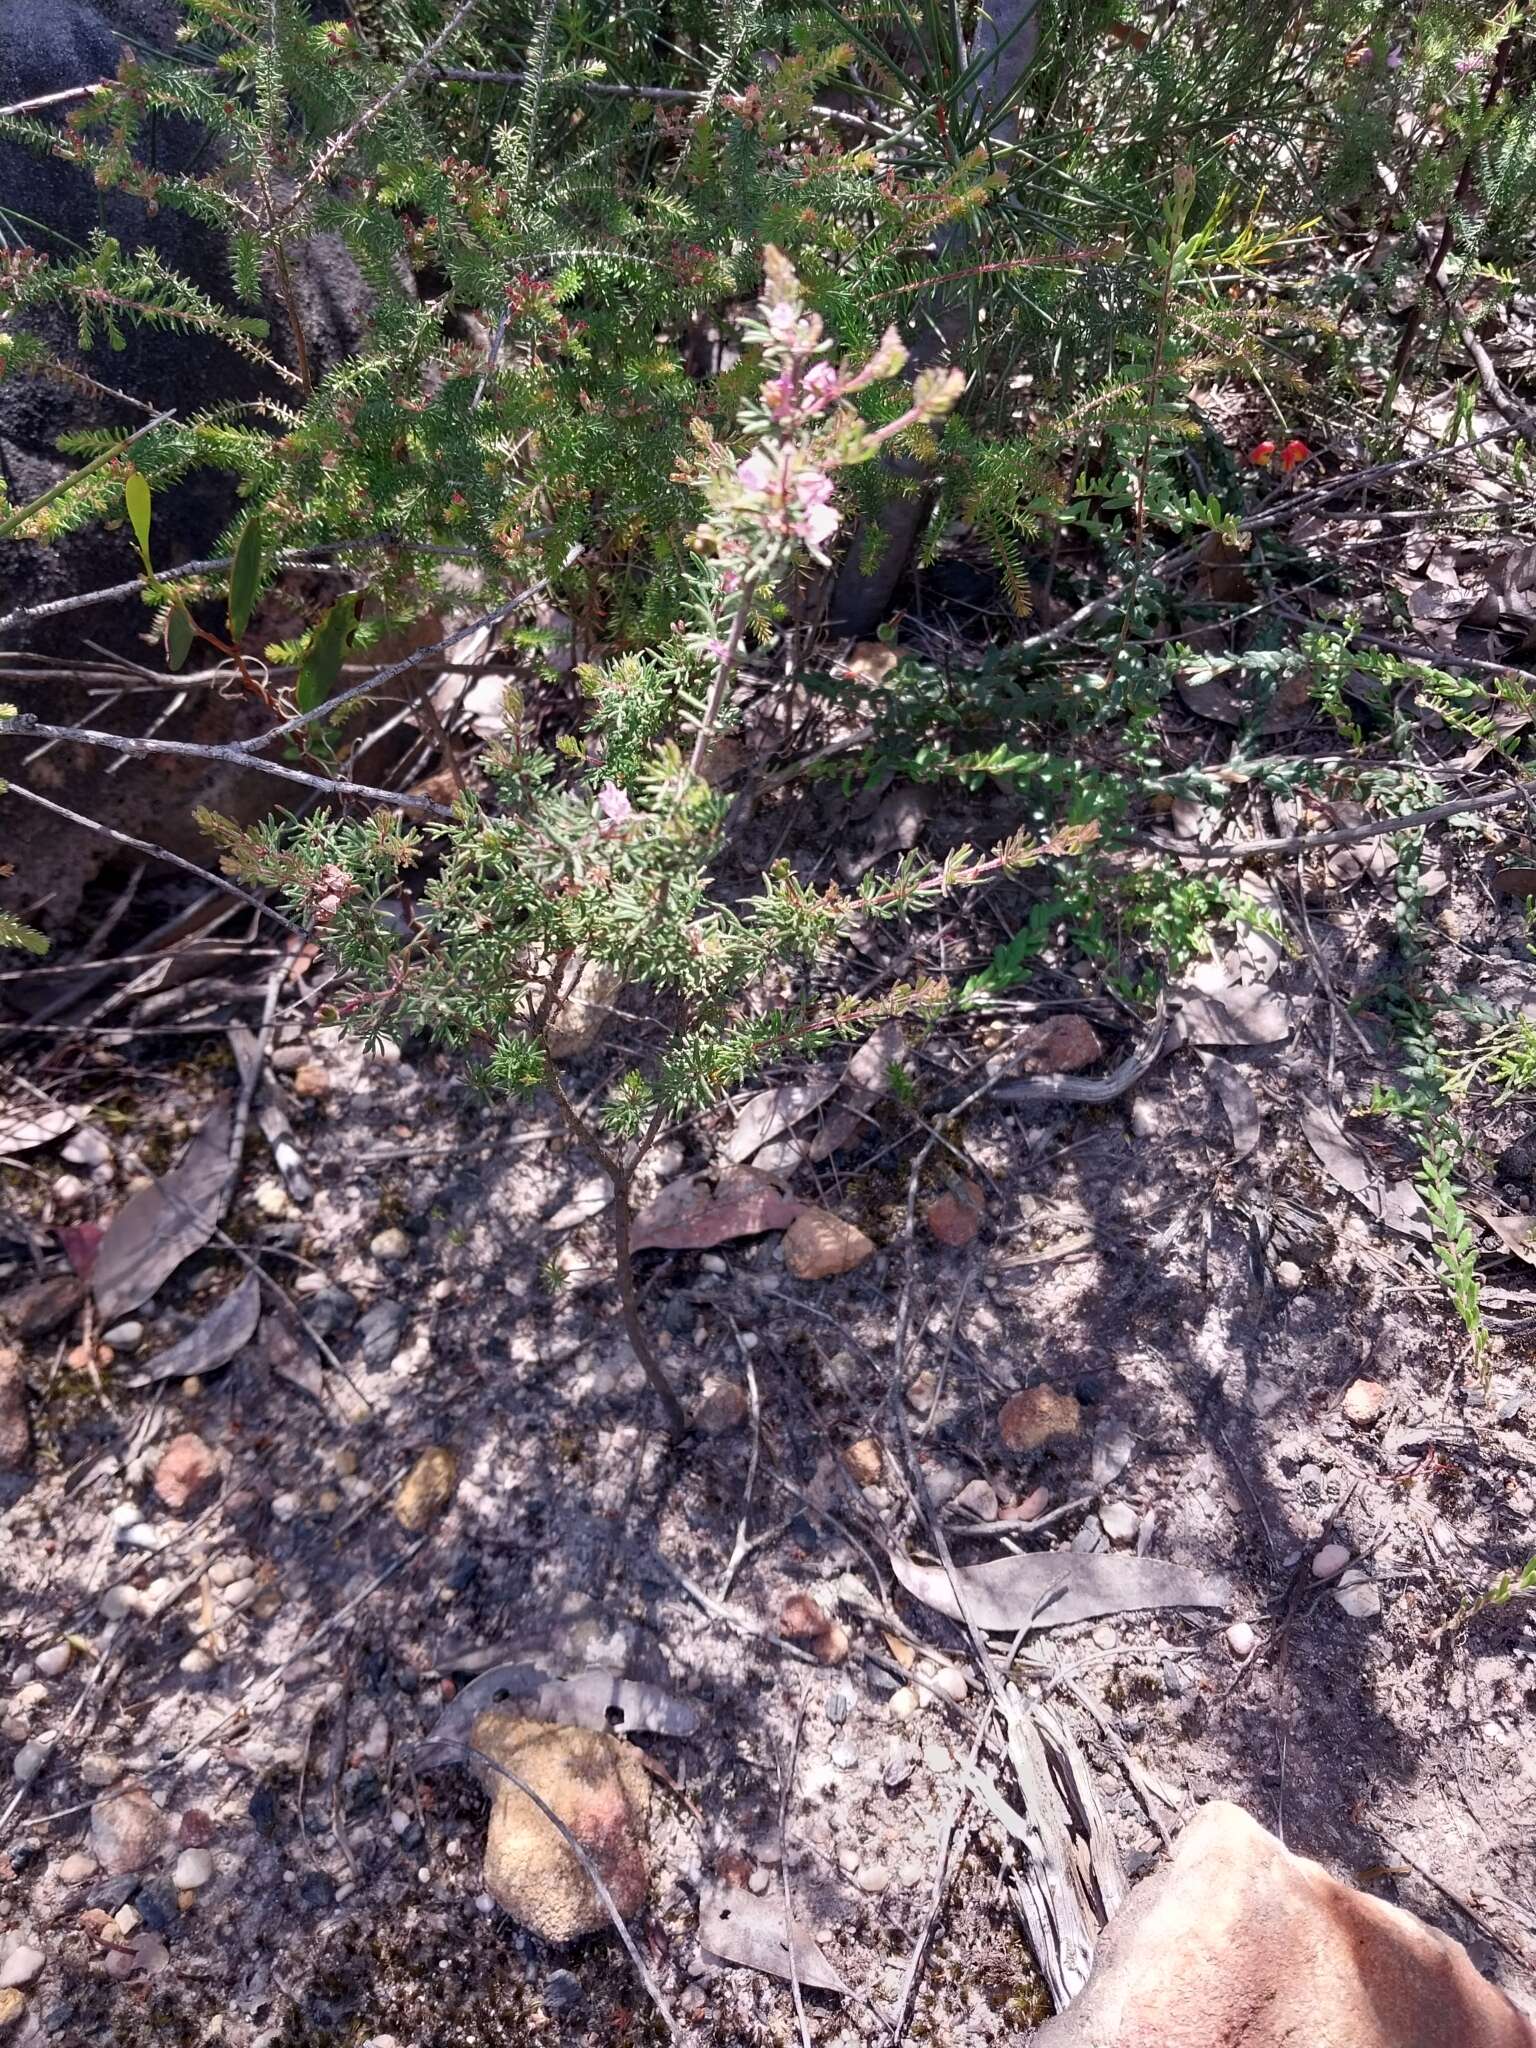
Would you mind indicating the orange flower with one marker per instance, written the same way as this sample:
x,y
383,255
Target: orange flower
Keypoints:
x,y
1260,453
1294,453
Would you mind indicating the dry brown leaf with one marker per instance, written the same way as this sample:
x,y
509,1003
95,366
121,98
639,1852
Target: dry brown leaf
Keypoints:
x,y
871,661
1515,1232
766,1115
1237,1099
164,1223
1244,1013
22,1130
702,1209
955,1216
738,1927
1049,1589
1396,1204
226,1329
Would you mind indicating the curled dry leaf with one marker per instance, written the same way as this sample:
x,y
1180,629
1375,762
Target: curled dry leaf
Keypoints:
x,y
164,1223
802,1621
291,1356
597,1699
703,1209
1395,1204
1049,1589
80,1242
772,1112
738,1927
227,1328
1515,1232
23,1130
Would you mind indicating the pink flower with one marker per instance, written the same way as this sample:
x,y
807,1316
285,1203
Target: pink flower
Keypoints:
x,y
614,804
755,474
1466,65
821,386
818,525
783,321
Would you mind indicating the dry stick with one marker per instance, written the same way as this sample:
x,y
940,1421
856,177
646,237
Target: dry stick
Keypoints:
x,y
412,660
54,607
786,1785
594,1878
1343,835
118,743
155,852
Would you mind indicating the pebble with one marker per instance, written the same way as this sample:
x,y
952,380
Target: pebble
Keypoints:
x,y
1104,1636
426,1490
936,1758
193,1869
69,1189
1359,1596
187,1466
196,1664
1363,1403
1330,1561
845,1756
759,1882
1038,1416
923,1391
271,1198
77,1869
978,1497
12,2006
54,1662
1289,1276
144,1536
563,1992
124,1336
240,1593
903,1703
380,1331
21,1966
911,1874
1241,1641
128,1919
29,1761
118,1602
724,1407
1119,1521
873,1878
390,1247
951,1682
98,1769
127,1831
285,1506
847,1859
124,1515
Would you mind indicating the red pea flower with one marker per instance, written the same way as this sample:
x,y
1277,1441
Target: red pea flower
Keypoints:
x,y
1293,454
1259,454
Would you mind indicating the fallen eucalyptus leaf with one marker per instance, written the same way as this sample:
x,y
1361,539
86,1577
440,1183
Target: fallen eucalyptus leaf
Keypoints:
x,y
738,1927
599,1699
1395,1204
213,1342
164,1223
702,1209
1051,1588
22,1130
1245,1013
766,1115
1237,1099
1515,1232
291,1356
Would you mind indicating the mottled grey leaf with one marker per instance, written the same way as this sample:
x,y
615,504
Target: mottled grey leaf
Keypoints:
x,y
164,1223
213,1342
1049,1589
753,1932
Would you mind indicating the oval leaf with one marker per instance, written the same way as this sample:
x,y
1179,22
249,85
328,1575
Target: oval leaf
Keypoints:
x,y
179,633
327,651
244,575
136,496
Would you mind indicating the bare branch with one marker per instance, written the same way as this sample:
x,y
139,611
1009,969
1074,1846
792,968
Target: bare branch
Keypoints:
x,y
162,853
122,743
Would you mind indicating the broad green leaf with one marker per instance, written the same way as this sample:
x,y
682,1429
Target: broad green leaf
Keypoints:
x,y
136,496
244,575
327,651
179,635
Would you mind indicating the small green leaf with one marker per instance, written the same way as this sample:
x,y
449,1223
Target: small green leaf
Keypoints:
x,y
14,933
179,635
136,495
327,650
244,575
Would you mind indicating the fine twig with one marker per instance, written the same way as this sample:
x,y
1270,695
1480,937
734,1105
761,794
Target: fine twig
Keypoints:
x,y
1341,835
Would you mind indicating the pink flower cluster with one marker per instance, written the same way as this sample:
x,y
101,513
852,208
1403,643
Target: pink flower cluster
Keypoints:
x,y
789,494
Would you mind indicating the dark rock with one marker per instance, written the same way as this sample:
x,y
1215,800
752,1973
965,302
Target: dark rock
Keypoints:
x,y
317,1891
563,1992
330,1311
263,1809
112,1892
157,1903
380,1332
